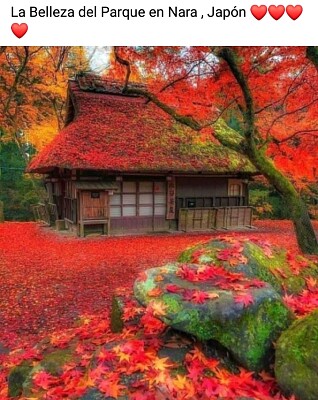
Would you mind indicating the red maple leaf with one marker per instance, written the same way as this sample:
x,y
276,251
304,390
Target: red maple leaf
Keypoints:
x,y
173,288
244,298
44,380
199,297
187,294
187,273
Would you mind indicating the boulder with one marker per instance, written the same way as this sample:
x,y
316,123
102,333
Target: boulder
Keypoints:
x,y
17,378
243,314
286,272
20,379
296,364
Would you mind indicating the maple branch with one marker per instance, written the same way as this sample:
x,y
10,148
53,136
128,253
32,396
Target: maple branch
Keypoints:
x,y
211,123
183,119
126,64
261,60
181,78
290,113
307,131
226,135
16,81
290,90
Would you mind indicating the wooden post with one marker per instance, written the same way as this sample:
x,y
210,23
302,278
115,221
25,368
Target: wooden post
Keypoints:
x,y
1,212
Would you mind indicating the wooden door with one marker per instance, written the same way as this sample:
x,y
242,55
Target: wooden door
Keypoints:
x,y
94,205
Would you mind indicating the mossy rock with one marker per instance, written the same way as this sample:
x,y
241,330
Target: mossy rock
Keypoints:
x,y
17,378
296,364
116,315
246,330
52,362
254,258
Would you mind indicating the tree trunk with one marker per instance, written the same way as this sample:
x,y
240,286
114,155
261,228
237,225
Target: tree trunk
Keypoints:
x,y
1,212
306,237
298,212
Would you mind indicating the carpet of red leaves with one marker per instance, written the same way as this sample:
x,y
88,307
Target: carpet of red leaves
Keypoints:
x,y
49,280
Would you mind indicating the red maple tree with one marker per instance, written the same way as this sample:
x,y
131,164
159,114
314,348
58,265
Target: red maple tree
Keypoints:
x,y
259,101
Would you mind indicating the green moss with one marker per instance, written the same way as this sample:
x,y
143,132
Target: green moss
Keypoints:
x,y
202,328
173,302
268,269
116,315
53,362
141,288
186,255
274,270
294,284
255,333
296,365
263,266
149,284
17,377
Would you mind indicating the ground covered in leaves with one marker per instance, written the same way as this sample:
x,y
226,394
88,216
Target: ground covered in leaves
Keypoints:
x,y
51,282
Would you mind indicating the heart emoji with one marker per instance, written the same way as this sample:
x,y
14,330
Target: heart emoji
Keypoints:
x,y
276,11
19,30
294,12
259,12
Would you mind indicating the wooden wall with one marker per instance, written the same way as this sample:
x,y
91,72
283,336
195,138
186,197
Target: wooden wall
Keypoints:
x,y
201,187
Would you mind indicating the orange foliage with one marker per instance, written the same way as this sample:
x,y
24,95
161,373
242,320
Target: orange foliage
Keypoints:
x,y
34,88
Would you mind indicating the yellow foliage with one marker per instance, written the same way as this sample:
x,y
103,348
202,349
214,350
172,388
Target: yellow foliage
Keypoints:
x,y
40,135
33,89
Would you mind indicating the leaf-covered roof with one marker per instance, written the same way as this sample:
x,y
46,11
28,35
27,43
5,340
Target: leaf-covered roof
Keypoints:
x,y
111,131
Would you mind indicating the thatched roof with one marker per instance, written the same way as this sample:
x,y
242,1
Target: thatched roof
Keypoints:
x,y
107,130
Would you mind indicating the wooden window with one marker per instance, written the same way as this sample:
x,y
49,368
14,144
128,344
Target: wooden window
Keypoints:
x,y
129,187
115,211
144,199
160,200
129,211
129,204
145,187
129,199
115,202
145,211
235,187
160,210
160,187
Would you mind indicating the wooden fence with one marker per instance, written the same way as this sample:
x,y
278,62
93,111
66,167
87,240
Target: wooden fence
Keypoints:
x,y
45,212
203,219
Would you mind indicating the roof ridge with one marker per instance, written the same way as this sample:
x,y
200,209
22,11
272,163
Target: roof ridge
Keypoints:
x,y
90,82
